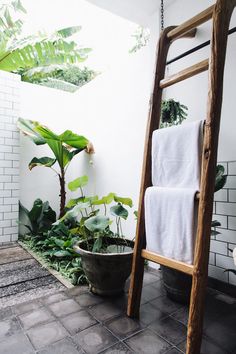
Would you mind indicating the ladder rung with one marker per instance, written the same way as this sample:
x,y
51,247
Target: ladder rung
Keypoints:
x,y
172,263
185,74
194,22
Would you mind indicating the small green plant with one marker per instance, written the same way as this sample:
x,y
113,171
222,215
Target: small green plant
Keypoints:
x,y
220,181
92,223
172,113
37,220
141,37
64,148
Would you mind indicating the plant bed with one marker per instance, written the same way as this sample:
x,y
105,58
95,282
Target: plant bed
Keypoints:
x,y
107,272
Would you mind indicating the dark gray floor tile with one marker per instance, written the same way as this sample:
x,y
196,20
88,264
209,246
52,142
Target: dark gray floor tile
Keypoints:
x,y
118,348
181,315
158,285
88,299
46,334
64,346
94,339
6,313
78,321
149,278
28,306
13,254
148,293
123,326
207,347
9,327
149,314
105,311
35,317
166,305
222,332
173,351
64,307
147,342
54,298
169,329
78,290
17,344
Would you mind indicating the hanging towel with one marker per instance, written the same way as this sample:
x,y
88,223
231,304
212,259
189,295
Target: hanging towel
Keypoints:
x,y
170,222
170,215
176,156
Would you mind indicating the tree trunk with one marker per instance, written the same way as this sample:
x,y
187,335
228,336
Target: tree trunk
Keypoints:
x,y
62,193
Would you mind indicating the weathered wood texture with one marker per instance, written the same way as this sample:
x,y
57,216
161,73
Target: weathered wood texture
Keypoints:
x,y
221,18
171,263
152,124
185,74
191,24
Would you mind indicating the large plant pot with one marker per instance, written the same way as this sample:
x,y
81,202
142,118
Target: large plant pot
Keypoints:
x,y
177,285
106,272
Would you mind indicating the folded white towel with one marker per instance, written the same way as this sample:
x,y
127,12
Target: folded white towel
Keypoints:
x,y
176,156
170,222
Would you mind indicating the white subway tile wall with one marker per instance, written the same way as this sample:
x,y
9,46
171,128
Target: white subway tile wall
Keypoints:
x,y
225,213
9,156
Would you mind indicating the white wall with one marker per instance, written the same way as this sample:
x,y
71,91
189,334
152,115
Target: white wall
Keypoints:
x,y
193,92
111,111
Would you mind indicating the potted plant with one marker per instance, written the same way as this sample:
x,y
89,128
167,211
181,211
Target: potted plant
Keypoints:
x,y
106,254
178,284
172,113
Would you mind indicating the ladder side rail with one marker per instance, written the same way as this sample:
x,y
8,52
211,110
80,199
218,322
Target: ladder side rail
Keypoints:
x,y
136,282
221,19
152,124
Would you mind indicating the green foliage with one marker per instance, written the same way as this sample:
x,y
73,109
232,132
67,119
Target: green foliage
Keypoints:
x,y
64,147
94,224
141,37
172,113
221,178
37,57
37,220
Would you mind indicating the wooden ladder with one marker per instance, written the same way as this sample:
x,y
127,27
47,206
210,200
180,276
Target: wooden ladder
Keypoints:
x,y
221,14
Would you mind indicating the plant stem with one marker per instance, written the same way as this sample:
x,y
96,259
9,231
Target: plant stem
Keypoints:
x,y
62,192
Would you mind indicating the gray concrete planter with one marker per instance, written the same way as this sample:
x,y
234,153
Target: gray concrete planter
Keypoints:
x,y
106,272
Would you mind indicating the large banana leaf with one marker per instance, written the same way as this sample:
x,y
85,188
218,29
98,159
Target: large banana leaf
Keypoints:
x,y
64,146
27,127
43,161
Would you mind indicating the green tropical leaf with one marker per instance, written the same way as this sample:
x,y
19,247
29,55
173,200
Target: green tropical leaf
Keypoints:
x,y
221,179
107,199
97,223
43,161
69,31
78,183
28,128
120,211
62,253
73,140
125,201
36,210
97,245
215,223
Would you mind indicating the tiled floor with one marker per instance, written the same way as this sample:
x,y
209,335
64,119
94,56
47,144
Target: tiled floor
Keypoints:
x,y
75,321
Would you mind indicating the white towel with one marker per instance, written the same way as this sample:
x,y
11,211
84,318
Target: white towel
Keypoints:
x,y
176,156
170,222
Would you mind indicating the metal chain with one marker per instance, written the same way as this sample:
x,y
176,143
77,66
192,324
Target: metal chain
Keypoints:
x,y
162,15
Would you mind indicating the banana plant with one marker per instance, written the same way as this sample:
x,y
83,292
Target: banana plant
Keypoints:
x,y
35,55
64,147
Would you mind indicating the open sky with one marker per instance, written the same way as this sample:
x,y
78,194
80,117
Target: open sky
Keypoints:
x,y
107,34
